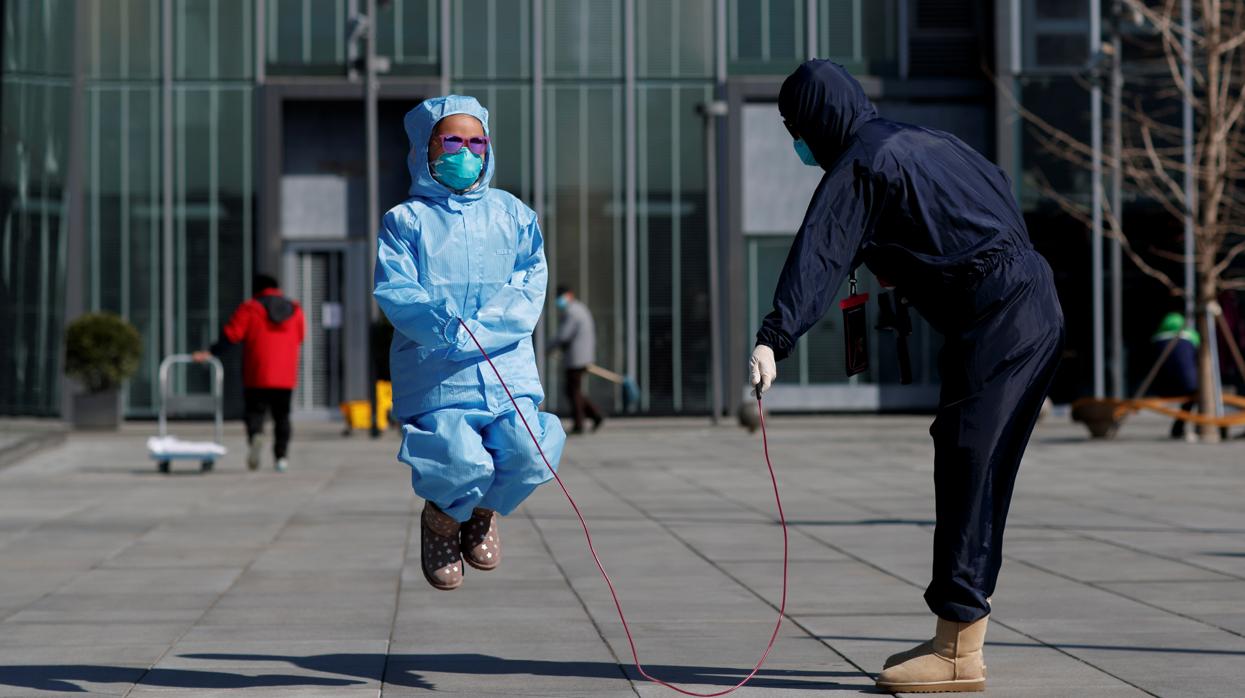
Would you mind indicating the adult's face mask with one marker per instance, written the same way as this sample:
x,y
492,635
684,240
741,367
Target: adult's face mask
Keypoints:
x,y
459,170
806,155
562,302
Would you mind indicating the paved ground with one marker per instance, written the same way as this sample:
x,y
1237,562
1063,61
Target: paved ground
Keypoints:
x,y
1125,572
22,437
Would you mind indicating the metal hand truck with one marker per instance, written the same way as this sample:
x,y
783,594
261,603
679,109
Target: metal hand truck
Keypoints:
x,y
165,448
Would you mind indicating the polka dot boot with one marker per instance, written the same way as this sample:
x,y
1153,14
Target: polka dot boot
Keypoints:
x,y
438,552
481,540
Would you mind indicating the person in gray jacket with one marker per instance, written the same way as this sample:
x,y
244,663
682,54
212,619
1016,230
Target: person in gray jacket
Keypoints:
x,y
577,339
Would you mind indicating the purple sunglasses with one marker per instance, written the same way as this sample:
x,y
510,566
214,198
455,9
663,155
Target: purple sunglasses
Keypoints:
x,y
453,143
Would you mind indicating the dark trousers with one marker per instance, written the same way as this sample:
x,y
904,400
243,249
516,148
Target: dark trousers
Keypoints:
x,y
996,371
581,405
1178,426
260,401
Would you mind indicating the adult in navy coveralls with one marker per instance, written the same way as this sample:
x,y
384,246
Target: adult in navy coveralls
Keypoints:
x,y
920,208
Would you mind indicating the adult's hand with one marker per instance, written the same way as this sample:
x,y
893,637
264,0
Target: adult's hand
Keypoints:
x,y
763,368
201,356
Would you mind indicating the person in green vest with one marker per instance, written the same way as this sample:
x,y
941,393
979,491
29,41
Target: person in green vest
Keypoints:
x,y
1178,375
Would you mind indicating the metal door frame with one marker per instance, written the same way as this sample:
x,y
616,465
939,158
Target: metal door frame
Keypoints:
x,y
354,311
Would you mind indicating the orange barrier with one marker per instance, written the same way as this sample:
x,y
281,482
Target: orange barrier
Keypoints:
x,y
1124,408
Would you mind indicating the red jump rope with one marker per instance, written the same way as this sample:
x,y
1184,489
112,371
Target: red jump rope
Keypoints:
x,y
782,607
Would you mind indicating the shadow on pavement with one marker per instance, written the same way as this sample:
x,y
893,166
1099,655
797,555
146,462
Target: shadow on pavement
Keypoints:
x,y
404,669
58,677
861,522
907,641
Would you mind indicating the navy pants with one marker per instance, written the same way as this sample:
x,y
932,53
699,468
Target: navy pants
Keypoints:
x,y
1004,334
259,402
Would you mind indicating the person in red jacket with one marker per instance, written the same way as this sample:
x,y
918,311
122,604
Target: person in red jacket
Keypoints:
x,y
270,328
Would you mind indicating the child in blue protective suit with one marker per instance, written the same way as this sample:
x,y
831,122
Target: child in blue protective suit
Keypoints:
x,y
458,259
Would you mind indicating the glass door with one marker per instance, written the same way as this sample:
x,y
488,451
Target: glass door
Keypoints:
x,y
316,279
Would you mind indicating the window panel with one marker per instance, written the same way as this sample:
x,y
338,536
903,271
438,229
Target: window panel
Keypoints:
x,y
491,39
124,41
673,248
861,35
123,208
35,38
214,39
306,37
765,36
35,125
584,214
1050,100
674,39
407,32
213,215
583,38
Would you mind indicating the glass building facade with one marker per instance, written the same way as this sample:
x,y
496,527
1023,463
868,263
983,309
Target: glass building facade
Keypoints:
x,y
35,95
178,146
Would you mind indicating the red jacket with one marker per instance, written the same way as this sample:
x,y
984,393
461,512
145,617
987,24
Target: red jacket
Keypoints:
x,y
270,328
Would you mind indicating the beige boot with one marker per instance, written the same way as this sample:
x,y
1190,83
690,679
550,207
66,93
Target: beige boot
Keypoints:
x,y
951,662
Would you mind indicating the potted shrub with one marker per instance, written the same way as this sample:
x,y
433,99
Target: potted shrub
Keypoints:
x,y
101,353
1098,416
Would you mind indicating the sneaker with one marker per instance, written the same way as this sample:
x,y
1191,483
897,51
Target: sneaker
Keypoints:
x,y
439,554
282,465
255,452
480,540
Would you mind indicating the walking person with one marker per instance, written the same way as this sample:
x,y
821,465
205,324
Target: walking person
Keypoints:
x,y
270,328
577,340
925,211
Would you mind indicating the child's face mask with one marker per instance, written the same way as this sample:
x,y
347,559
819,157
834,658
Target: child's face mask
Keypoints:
x,y
459,170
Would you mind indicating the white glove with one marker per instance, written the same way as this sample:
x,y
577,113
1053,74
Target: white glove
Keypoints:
x,y
763,368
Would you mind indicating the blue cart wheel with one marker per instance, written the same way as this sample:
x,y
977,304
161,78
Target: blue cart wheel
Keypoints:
x,y
163,466
206,466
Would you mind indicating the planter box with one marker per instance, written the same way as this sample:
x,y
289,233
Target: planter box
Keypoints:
x,y
1097,416
97,411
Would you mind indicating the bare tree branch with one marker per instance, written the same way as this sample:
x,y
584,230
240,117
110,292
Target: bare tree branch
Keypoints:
x,y
1168,255
1229,257
1042,184
1232,44
1176,189
1171,33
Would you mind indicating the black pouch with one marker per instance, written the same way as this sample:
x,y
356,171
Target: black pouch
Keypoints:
x,y
855,331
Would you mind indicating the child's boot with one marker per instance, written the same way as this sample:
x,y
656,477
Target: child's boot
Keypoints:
x,y
439,553
481,540
950,662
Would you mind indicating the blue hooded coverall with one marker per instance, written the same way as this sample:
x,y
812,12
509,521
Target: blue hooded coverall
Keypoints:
x,y
476,255
923,210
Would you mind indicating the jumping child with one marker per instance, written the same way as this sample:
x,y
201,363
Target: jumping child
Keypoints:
x,y
457,259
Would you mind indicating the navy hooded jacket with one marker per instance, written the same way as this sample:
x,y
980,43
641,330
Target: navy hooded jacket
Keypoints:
x,y
918,207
